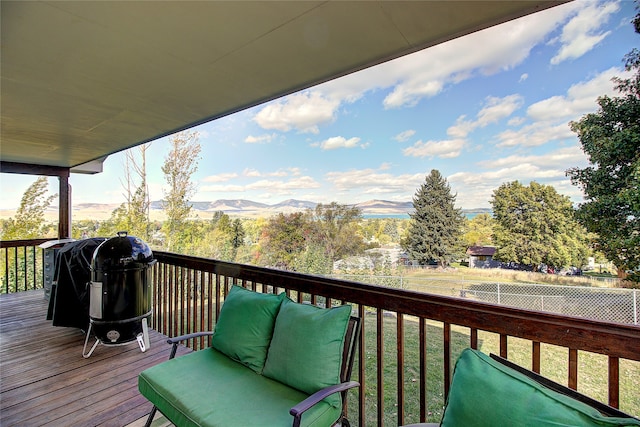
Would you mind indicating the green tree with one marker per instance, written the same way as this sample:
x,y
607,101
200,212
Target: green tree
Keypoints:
x,y
132,215
435,224
284,239
137,193
535,224
29,222
336,230
313,260
611,183
118,221
237,231
179,166
478,231
226,237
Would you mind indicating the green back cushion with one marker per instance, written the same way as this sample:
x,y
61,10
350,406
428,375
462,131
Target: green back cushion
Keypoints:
x,y
245,326
484,392
306,349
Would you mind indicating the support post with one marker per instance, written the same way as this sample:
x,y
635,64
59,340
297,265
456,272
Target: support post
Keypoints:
x,y
64,206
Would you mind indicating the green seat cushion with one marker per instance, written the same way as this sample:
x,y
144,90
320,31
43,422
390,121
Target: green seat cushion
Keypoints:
x,y
206,388
245,326
306,349
484,392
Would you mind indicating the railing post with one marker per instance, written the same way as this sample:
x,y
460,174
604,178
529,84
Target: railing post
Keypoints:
x,y
6,270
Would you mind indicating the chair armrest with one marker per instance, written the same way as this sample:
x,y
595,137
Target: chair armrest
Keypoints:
x,y
316,397
176,340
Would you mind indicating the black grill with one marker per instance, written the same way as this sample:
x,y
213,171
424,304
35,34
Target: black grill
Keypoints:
x,y
120,296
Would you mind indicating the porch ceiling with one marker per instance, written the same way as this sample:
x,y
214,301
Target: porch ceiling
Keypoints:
x,y
82,80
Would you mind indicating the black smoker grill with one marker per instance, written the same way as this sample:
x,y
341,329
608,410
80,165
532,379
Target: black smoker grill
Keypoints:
x,y
119,297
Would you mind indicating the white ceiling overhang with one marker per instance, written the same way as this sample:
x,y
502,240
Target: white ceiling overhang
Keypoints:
x,y
84,79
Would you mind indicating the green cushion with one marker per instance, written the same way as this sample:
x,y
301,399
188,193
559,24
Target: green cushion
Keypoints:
x,y
206,388
484,392
245,326
306,349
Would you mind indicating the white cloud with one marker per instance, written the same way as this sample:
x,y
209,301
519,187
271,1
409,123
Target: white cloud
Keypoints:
x,y
277,187
419,75
295,171
476,188
461,128
405,135
495,109
486,52
516,121
534,135
222,177
523,77
444,149
562,158
302,111
336,142
372,181
498,108
550,117
261,139
410,92
252,173
279,173
235,188
581,34
580,98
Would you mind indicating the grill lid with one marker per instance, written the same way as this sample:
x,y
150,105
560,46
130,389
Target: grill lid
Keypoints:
x,y
121,252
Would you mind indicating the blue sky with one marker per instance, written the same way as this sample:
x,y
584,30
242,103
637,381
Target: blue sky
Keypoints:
x,y
484,109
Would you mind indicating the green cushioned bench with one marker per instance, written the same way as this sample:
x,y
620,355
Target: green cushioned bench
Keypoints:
x,y
490,391
272,362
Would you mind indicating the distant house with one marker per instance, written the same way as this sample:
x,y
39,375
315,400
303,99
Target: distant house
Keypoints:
x,y
481,256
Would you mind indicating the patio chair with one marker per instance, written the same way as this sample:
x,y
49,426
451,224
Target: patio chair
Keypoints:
x,y
211,375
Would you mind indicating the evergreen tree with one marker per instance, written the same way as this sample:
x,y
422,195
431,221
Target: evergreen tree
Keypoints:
x,y
435,224
237,232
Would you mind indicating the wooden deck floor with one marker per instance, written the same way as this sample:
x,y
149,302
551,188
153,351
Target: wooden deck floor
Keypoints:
x,y
45,381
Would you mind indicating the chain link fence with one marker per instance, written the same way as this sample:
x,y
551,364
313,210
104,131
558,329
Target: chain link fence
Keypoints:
x,y
608,304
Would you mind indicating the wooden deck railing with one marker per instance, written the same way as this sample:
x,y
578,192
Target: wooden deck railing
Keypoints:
x,y
21,265
410,340
398,383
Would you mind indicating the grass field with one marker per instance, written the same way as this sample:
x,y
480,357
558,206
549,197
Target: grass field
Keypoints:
x,y
592,370
506,276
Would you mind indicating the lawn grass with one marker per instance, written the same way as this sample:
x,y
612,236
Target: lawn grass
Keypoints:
x,y
505,276
592,369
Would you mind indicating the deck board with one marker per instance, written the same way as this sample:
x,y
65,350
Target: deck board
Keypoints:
x,y
45,381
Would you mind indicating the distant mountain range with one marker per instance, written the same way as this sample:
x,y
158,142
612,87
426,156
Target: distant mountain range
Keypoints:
x,y
249,207
291,205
